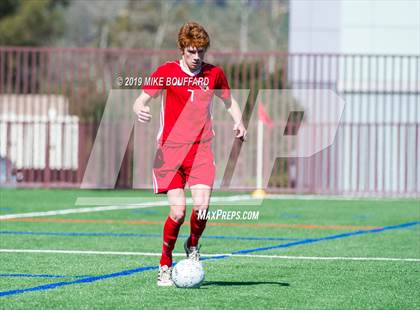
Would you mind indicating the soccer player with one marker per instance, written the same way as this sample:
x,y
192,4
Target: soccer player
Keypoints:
x,y
184,153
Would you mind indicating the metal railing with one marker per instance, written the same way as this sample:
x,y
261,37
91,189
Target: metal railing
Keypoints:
x,y
52,99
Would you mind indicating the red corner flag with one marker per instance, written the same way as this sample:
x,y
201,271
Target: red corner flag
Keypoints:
x,y
263,116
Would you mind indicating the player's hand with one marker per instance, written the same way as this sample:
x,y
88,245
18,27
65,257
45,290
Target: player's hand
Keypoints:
x,y
240,131
143,114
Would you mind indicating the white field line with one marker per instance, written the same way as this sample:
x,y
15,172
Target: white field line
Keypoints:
x,y
213,255
79,210
148,204
246,199
123,201
338,197
332,258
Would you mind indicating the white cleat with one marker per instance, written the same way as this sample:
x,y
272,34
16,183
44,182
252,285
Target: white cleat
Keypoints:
x,y
192,252
165,276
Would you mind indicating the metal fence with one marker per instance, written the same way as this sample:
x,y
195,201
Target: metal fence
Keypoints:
x,y
52,99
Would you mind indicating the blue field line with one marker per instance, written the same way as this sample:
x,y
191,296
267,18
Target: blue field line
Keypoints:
x,y
79,281
29,275
142,269
332,237
102,234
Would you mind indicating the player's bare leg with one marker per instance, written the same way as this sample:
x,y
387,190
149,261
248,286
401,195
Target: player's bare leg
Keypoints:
x,y
176,199
201,198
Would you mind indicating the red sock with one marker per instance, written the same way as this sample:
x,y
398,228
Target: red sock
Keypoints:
x,y
197,227
170,234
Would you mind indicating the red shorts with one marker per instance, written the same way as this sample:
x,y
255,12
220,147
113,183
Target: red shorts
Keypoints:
x,y
178,164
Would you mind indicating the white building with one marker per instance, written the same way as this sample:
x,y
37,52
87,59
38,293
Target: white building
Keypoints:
x,y
373,62
24,122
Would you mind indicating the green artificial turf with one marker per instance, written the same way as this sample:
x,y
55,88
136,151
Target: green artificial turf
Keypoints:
x,y
304,228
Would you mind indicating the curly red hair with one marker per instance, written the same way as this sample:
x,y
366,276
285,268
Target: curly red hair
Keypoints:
x,y
193,34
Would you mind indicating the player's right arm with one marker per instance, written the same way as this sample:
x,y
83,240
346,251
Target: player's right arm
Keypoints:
x,y
142,109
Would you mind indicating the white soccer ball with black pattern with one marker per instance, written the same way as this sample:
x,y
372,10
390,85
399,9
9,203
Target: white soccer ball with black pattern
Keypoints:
x,y
188,274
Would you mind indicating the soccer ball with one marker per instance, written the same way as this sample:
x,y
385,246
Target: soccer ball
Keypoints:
x,y
188,274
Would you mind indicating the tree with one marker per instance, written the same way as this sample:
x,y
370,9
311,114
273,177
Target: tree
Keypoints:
x,y
148,24
32,22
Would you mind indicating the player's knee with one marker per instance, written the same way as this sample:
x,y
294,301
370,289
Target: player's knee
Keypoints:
x,y
200,207
201,203
178,215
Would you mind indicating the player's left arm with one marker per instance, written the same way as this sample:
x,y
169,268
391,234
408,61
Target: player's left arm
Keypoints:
x,y
233,108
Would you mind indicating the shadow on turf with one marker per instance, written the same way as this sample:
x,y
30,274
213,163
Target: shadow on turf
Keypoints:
x,y
237,283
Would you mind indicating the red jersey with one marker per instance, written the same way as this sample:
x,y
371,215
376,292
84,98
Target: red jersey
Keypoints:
x,y
186,105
